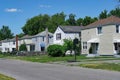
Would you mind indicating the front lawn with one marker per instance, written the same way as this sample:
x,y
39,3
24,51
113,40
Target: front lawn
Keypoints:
x,y
106,66
4,77
45,58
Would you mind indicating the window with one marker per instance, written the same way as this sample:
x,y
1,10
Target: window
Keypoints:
x,y
42,38
13,42
84,45
99,30
36,39
117,28
58,36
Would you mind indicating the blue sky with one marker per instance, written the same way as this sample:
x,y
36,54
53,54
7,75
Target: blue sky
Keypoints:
x,y
15,13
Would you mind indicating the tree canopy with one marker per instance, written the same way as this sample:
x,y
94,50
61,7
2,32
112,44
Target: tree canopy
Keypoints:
x,y
5,33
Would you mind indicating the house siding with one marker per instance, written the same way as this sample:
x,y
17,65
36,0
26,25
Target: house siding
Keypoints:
x,y
65,36
106,46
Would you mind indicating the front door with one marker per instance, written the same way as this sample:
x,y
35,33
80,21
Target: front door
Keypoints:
x,y
117,48
94,48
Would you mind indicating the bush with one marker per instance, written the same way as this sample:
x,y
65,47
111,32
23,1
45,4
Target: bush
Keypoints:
x,y
55,50
23,47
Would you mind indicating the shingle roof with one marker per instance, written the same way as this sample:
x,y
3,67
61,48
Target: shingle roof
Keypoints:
x,y
26,37
8,40
43,34
71,28
108,21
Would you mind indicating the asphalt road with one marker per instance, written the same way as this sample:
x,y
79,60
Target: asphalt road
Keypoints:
x,y
22,70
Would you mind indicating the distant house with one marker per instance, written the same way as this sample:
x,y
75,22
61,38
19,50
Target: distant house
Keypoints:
x,y
7,45
28,41
103,36
42,40
66,32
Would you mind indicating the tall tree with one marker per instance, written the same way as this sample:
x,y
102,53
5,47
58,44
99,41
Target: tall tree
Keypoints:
x,y
5,33
40,22
71,20
103,14
115,12
56,20
36,24
79,21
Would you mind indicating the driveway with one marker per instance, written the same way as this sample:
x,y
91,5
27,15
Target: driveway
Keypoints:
x,y
22,70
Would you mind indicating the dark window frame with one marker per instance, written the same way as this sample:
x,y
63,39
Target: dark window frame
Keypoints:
x,y
58,36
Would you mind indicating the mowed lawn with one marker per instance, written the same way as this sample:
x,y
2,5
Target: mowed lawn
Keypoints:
x,y
4,77
105,66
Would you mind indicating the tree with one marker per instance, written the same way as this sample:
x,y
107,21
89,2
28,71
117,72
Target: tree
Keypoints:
x,y
115,12
71,21
79,21
5,33
103,14
23,47
56,20
36,24
39,23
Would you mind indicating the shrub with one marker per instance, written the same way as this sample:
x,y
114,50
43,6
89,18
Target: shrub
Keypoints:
x,y
55,50
23,47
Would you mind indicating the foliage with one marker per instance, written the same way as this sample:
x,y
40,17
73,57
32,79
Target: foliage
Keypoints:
x,y
23,47
115,12
103,14
71,21
40,22
55,50
107,66
20,35
5,33
68,44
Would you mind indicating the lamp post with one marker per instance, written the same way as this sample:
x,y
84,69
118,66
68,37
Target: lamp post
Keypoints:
x,y
75,42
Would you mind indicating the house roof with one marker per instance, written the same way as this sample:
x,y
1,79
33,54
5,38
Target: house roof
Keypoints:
x,y
43,34
8,40
72,29
26,37
108,21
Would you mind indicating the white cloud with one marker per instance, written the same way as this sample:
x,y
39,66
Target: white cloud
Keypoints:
x,y
12,10
45,6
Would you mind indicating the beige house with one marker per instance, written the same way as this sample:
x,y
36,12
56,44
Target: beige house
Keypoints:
x,y
103,36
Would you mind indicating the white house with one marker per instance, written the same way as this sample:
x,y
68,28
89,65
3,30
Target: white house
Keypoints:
x,y
7,45
103,36
42,40
28,41
66,32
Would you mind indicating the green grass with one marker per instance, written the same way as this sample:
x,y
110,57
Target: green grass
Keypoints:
x,y
44,58
4,77
106,66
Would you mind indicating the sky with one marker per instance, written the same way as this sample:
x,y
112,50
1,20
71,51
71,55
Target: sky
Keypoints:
x,y
15,13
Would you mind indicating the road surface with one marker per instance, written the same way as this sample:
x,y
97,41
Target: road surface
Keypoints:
x,y
22,70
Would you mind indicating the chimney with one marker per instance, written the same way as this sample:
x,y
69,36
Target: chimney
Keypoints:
x,y
17,42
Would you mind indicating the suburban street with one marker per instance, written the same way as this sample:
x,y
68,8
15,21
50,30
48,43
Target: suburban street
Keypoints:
x,y
22,70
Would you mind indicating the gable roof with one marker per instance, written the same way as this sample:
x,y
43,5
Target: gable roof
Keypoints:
x,y
8,40
43,34
26,37
72,29
112,20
